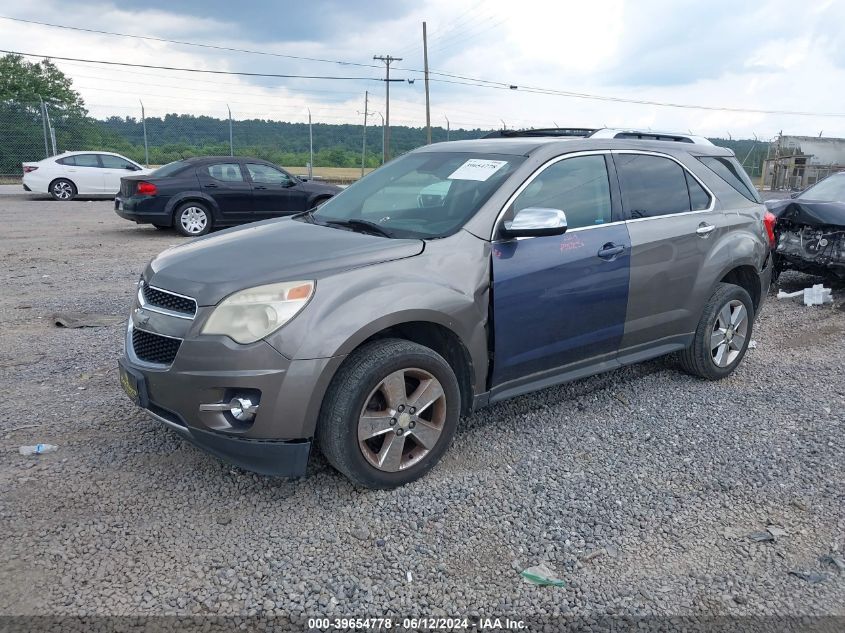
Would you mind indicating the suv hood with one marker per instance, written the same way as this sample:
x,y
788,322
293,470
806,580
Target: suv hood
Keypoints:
x,y
213,267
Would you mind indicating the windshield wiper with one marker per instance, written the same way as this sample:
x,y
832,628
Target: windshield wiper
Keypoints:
x,y
362,225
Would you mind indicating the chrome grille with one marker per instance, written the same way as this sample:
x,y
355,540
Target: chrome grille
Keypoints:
x,y
168,301
154,348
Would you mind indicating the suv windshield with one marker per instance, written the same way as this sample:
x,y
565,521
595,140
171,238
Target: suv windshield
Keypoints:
x,y
831,189
426,194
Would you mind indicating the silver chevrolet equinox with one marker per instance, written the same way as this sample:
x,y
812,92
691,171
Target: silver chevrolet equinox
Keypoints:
x,y
451,278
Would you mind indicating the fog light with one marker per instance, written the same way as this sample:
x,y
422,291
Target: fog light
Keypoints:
x,y
241,408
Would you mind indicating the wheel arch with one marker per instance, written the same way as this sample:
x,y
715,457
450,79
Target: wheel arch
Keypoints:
x,y
192,196
442,340
58,178
746,277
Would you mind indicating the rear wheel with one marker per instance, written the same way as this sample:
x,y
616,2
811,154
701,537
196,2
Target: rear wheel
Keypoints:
x,y
389,414
63,190
722,336
192,219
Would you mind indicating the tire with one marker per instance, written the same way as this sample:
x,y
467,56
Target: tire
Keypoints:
x,y
713,362
407,444
192,219
63,190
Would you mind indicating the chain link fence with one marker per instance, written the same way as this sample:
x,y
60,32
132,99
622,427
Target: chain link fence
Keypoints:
x,y
32,131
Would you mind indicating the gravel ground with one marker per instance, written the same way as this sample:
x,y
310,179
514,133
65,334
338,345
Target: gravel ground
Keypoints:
x,y
639,487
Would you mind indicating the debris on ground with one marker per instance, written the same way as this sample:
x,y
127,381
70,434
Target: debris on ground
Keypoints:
x,y
813,296
776,531
38,449
837,561
763,536
542,575
812,577
752,344
84,319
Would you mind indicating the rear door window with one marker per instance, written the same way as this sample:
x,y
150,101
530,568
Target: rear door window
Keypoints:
x,y
698,196
87,160
227,172
651,185
67,160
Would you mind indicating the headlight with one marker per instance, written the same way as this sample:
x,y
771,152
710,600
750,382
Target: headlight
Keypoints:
x,y
252,314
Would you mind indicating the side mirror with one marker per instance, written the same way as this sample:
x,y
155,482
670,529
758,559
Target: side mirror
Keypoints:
x,y
535,221
131,168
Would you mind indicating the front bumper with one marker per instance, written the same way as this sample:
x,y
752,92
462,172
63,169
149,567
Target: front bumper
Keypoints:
x,y
266,457
211,370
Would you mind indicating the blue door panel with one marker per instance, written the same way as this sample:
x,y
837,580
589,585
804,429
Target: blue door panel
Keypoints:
x,y
556,302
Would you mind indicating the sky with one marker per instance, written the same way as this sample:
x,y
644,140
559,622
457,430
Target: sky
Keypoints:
x,y
762,55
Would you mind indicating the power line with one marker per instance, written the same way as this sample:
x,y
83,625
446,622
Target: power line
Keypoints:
x,y
464,80
184,43
192,70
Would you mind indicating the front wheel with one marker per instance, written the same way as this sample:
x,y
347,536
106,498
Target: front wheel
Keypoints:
x,y
63,190
723,334
389,414
192,219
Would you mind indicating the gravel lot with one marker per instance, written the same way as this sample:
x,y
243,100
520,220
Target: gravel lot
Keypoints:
x,y
639,487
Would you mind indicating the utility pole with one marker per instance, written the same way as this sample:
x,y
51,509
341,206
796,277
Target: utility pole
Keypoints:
x,y
427,102
387,59
144,124
310,148
364,143
231,145
447,126
383,153
44,123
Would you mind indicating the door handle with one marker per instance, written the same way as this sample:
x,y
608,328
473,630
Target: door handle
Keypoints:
x,y
705,229
210,185
610,250
261,187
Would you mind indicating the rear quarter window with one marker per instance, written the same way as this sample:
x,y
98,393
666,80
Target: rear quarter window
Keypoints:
x,y
728,169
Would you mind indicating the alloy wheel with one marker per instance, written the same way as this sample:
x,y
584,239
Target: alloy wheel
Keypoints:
x,y
63,190
402,419
193,220
729,332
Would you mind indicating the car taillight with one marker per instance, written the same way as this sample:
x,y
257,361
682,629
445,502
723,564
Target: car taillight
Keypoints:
x,y
29,168
146,188
769,221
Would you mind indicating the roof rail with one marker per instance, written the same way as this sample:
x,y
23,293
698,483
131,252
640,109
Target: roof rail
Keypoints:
x,y
650,135
550,131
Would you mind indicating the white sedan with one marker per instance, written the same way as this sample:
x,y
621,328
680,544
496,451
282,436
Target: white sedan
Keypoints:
x,y
79,173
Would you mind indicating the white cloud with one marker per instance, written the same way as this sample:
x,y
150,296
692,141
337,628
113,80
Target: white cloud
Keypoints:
x,y
774,56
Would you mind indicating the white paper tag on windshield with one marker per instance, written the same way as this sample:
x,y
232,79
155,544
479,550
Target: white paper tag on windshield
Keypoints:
x,y
477,169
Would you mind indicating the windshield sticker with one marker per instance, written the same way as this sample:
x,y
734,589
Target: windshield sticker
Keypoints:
x,y
477,169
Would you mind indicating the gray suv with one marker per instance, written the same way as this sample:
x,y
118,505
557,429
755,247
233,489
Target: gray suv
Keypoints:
x,y
453,277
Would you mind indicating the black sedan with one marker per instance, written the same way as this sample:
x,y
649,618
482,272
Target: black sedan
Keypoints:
x,y
196,194
810,229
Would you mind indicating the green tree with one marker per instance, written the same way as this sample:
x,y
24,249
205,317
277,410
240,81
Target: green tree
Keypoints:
x,y
28,83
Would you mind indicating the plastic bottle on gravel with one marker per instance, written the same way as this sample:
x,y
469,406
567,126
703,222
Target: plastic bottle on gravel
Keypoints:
x,y
38,449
